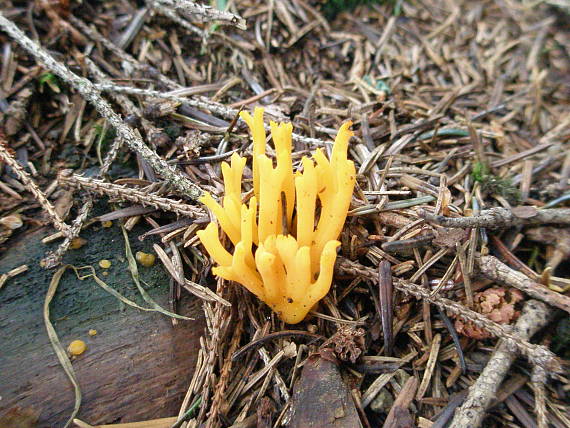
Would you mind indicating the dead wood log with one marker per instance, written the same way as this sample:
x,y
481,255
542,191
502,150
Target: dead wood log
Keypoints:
x,y
136,368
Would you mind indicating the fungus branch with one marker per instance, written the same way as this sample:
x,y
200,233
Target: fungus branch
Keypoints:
x,y
290,273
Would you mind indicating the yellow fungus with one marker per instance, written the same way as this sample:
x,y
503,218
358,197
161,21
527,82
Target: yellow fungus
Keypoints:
x,y
77,347
145,259
106,224
92,332
104,264
283,253
77,243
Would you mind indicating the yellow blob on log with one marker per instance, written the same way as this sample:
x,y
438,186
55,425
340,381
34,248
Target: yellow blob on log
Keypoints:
x,y
104,264
77,347
145,259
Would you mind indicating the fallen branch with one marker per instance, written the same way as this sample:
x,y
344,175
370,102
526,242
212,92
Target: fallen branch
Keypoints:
x,y
501,218
54,258
89,92
129,194
537,355
496,270
205,13
217,108
535,316
32,187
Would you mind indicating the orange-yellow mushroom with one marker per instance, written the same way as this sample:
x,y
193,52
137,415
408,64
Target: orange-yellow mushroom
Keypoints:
x,y
284,256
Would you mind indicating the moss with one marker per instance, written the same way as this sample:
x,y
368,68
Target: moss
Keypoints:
x,y
561,338
492,184
331,8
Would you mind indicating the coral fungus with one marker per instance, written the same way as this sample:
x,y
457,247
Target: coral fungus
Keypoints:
x,y
285,238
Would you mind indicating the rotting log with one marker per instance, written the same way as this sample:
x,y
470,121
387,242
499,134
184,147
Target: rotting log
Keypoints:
x,y
136,368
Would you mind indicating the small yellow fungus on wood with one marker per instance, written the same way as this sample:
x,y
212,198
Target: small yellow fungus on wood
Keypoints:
x,y
107,224
77,243
104,264
92,332
289,272
77,347
145,259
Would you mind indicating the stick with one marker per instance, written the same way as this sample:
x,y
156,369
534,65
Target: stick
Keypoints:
x,y
501,218
471,414
130,194
537,354
32,187
206,13
494,269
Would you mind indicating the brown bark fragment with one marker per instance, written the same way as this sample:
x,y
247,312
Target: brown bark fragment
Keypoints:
x,y
321,398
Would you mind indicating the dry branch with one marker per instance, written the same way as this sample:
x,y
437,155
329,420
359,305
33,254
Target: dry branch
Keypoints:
x,y
32,187
53,259
538,355
129,194
500,218
205,13
496,270
216,108
171,14
470,415
90,93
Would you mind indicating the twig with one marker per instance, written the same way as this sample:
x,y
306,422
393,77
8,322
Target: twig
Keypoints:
x,y
32,187
206,13
496,270
219,109
54,259
500,218
90,93
386,312
538,355
129,194
171,14
535,316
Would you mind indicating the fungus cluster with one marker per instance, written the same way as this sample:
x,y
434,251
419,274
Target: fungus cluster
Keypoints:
x,y
285,237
